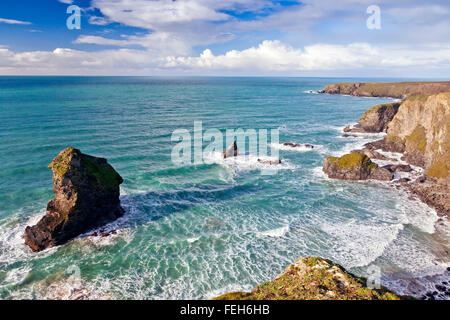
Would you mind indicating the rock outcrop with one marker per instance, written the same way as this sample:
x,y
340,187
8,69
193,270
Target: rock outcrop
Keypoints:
x,y
314,278
376,119
231,151
398,90
86,197
355,166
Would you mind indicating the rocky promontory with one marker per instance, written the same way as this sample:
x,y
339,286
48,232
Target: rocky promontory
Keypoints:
x,y
398,90
418,128
86,192
313,278
376,119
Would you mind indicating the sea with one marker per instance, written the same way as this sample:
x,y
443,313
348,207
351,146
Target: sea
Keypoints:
x,y
198,230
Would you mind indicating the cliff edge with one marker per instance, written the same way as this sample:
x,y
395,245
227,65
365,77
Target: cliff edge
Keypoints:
x,y
398,90
313,278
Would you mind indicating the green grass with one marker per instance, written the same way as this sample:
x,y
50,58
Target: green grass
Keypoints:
x,y
313,278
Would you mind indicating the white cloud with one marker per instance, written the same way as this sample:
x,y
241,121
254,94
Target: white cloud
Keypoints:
x,y
276,56
11,21
66,1
270,57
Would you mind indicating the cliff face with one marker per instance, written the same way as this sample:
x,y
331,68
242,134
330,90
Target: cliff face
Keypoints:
x,y
399,90
86,197
421,128
313,278
376,119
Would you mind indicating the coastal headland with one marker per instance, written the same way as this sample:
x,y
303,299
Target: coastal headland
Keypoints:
x,y
418,128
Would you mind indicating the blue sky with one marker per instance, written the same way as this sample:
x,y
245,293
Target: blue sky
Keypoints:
x,y
227,37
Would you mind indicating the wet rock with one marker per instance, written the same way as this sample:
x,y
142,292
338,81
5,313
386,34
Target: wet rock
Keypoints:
x,y
270,162
381,174
231,151
441,288
86,197
398,168
297,145
403,180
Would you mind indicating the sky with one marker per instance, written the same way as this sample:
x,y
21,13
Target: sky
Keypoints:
x,y
345,38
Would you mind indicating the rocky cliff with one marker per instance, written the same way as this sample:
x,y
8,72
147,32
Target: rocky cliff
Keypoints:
x,y
419,128
399,90
313,278
86,192
376,119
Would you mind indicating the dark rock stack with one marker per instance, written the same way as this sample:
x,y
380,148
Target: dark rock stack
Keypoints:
x,y
86,197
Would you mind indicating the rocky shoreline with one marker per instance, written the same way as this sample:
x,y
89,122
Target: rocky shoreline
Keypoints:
x,y
418,128
87,188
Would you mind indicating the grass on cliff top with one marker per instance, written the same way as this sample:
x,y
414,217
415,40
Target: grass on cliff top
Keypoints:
x,y
398,89
313,278
61,163
352,160
104,173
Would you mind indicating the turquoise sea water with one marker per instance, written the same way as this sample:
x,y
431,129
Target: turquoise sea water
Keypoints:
x,y
197,231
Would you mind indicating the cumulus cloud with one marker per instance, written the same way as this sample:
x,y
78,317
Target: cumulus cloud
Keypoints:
x,y
312,36
270,57
277,56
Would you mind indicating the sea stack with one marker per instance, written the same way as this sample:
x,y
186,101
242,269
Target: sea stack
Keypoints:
x,y
231,151
86,197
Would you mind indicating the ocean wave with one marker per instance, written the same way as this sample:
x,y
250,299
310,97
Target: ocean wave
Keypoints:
x,y
275,233
249,162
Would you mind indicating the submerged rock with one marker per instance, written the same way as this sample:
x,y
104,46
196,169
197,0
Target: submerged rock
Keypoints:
x,y
313,278
86,197
297,145
270,162
231,151
355,166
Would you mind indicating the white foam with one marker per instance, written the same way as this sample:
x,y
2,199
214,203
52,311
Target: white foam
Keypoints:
x,y
248,162
230,288
360,243
275,233
192,240
311,91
